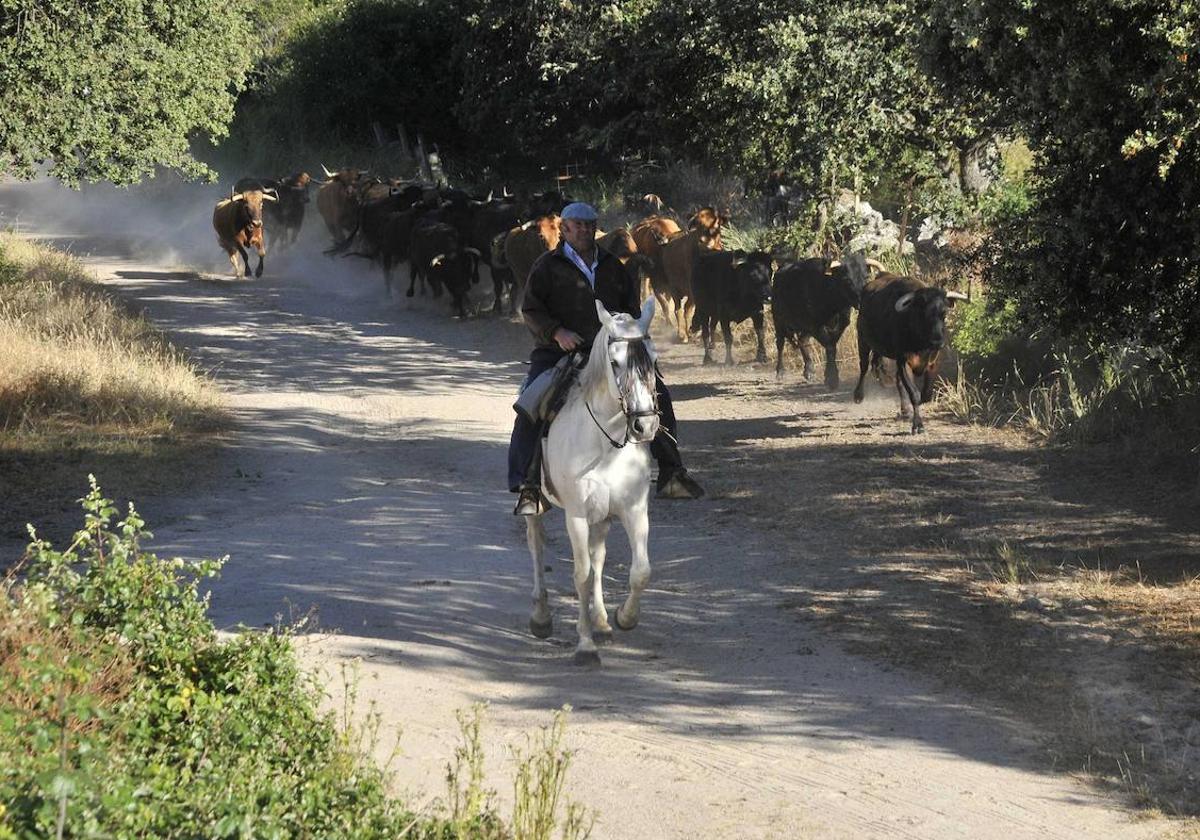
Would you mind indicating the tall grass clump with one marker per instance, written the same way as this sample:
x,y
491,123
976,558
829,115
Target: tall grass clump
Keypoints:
x,y
71,355
123,714
1065,392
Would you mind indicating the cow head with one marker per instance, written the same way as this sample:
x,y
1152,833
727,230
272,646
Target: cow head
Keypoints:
x,y
754,272
924,313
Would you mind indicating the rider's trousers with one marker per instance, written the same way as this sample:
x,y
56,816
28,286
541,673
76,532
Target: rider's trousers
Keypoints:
x,y
523,445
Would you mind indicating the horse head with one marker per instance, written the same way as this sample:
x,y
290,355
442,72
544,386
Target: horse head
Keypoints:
x,y
624,341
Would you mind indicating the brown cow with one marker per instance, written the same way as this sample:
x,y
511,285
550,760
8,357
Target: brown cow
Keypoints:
x,y
526,243
238,223
678,259
621,245
650,235
337,202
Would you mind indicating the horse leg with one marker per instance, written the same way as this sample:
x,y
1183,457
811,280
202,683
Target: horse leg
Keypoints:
x,y
598,548
637,527
541,622
579,532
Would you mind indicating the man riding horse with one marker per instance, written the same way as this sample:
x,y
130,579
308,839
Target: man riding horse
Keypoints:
x,y
560,309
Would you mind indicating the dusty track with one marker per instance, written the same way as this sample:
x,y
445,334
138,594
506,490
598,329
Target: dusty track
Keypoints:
x,y
365,480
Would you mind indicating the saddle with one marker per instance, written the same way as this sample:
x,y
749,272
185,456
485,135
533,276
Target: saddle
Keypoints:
x,y
541,400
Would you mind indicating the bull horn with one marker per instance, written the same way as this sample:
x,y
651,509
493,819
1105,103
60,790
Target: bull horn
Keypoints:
x,y
438,260
235,196
328,174
489,198
904,301
270,196
473,251
957,296
507,194
875,264
835,264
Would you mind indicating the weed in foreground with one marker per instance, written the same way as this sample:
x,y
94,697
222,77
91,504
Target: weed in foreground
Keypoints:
x,y
123,714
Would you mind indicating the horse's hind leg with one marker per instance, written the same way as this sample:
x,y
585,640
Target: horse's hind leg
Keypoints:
x,y
579,532
637,526
541,623
598,549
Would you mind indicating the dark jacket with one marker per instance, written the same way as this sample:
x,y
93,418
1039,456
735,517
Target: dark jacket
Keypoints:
x,y
558,295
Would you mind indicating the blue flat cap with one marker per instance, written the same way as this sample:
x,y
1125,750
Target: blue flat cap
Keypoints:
x,y
580,212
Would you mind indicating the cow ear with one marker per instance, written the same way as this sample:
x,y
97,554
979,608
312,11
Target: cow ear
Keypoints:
x,y
647,315
606,319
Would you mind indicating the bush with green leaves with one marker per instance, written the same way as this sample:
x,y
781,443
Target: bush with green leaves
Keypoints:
x,y
124,714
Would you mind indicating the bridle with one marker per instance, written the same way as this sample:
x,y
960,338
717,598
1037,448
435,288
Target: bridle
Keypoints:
x,y
623,395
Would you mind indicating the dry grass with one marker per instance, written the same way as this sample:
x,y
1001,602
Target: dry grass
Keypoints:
x,y
86,386
70,354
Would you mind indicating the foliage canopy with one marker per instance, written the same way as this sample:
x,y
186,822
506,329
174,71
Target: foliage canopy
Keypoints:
x,y
111,89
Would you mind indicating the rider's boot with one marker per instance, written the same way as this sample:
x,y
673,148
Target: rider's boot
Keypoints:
x,y
674,481
531,502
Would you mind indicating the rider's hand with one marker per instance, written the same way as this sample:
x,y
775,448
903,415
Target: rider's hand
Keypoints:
x,y
566,339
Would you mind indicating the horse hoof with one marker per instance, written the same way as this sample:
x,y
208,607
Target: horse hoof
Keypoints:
x,y
622,624
542,631
602,637
587,659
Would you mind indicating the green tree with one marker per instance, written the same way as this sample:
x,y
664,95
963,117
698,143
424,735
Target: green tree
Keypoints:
x,y
112,89
1107,94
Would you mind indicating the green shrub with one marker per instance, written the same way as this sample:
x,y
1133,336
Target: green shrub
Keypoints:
x,y
122,714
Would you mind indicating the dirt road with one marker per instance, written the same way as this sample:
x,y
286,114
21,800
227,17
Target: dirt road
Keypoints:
x,y
365,481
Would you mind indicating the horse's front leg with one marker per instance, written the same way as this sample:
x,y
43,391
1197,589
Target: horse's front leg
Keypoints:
x,y
637,526
579,531
598,548
540,621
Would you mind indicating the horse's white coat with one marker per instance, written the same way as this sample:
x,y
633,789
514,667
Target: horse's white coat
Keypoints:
x,y
594,481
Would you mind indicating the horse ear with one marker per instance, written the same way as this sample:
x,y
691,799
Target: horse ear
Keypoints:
x,y
647,315
606,320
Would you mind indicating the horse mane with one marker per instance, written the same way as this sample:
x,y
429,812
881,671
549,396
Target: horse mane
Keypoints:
x,y
641,364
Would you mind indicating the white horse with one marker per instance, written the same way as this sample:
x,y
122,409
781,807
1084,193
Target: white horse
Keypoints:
x,y
596,467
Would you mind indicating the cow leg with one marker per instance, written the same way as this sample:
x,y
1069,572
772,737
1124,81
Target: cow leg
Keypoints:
x,y
387,274
664,306
233,260
904,376
780,340
689,312
412,279
245,261
806,354
864,362
706,338
262,252
727,333
832,380
761,356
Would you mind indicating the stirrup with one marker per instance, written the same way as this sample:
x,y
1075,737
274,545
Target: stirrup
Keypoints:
x,y
531,502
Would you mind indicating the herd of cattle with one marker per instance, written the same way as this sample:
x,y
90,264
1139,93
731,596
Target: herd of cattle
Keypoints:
x,y
444,234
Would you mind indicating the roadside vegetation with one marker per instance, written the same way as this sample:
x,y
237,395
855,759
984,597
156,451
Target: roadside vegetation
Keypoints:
x,y
86,385
123,713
